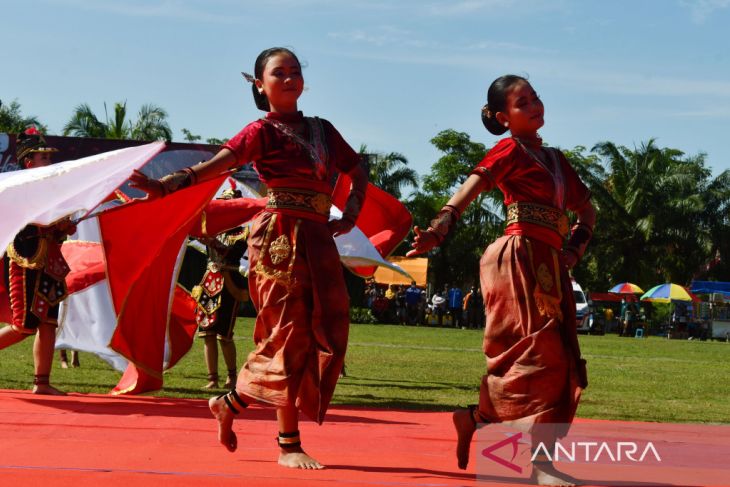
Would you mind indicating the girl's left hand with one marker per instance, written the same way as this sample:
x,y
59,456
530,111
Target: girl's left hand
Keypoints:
x,y
340,227
152,187
423,241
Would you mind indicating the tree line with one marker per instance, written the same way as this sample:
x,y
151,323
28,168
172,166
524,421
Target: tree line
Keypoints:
x,y
661,215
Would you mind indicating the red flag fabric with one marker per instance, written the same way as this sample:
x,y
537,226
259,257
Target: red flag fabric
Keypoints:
x,y
222,215
383,219
182,325
135,381
141,243
181,334
86,261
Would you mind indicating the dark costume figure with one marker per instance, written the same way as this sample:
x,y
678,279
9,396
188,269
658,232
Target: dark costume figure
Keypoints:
x,y
36,273
218,296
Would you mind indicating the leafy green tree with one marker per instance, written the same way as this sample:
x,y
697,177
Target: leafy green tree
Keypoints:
x,y
189,136
215,141
457,259
660,215
151,123
12,120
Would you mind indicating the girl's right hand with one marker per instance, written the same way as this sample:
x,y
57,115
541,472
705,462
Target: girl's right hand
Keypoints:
x,y
422,242
152,187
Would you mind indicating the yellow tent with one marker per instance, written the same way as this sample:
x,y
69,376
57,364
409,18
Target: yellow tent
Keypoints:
x,y
416,267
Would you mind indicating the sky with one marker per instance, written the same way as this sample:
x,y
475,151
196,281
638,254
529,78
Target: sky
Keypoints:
x,y
388,74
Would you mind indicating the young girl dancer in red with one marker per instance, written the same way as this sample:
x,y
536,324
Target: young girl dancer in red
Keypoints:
x,y
535,373
295,279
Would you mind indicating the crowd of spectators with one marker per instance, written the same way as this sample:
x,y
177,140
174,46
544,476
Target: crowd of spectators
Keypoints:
x,y
411,305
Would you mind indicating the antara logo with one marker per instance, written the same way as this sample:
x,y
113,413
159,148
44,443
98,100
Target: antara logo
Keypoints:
x,y
513,440
603,451
582,451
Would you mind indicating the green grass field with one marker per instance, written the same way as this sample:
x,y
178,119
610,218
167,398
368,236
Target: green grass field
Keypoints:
x,y
423,368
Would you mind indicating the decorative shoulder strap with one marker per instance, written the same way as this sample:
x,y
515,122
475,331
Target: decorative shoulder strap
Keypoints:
x,y
319,143
559,198
315,153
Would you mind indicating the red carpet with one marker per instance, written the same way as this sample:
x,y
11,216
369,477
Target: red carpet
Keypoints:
x,y
98,440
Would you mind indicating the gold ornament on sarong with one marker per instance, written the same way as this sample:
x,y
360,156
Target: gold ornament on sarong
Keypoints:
x,y
544,277
279,249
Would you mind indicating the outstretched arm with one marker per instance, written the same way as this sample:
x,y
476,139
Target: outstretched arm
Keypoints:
x,y
427,239
220,163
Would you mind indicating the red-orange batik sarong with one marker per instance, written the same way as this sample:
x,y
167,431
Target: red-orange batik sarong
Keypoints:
x,y
301,331
534,370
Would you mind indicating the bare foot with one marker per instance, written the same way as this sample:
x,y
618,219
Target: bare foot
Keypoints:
x,y
224,416
47,390
465,428
211,385
64,364
547,474
295,457
230,383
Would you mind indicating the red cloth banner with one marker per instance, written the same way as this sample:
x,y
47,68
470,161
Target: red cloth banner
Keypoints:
x,y
141,242
383,219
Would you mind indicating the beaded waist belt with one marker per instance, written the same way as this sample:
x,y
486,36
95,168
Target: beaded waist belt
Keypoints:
x,y
546,216
300,200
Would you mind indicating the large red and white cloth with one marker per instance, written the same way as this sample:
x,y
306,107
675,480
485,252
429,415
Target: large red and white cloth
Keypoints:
x,y
88,319
47,194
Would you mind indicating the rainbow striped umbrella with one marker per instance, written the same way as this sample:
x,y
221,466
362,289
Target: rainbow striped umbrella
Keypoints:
x,y
626,288
664,293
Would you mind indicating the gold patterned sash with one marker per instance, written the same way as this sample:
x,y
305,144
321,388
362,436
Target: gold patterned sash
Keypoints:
x,y
546,216
299,199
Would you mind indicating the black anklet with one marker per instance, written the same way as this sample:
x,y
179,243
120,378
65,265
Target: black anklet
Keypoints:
x,y
233,394
289,440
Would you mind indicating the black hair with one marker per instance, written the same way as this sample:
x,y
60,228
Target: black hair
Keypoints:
x,y
262,103
497,100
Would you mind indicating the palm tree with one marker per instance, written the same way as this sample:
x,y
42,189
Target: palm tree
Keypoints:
x,y
13,122
151,123
389,172
653,203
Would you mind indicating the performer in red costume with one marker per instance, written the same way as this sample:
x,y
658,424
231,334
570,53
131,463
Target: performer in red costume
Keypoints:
x,y
36,275
535,373
295,277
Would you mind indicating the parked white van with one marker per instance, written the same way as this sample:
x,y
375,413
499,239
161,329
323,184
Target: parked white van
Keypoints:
x,y
583,316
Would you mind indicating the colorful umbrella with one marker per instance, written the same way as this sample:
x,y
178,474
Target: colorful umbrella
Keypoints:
x,y
626,288
664,293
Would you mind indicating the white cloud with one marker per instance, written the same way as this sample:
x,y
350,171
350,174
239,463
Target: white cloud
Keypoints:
x,y
702,9
384,35
179,9
465,6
